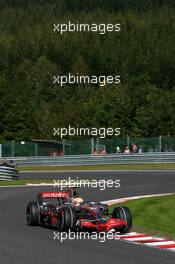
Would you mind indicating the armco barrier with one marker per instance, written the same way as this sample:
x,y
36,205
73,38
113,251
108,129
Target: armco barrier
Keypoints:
x,y
8,174
98,159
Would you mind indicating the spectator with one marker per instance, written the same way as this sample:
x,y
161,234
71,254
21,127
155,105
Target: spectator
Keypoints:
x,y
134,148
140,149
55,154
95,151
103,150
127,151
118,151
5,163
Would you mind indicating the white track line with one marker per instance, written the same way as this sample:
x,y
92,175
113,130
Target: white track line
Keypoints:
x,y
160,243
138,238
129,234
125,199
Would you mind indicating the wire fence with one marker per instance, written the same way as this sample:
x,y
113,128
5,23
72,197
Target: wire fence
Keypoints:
x,y
98,146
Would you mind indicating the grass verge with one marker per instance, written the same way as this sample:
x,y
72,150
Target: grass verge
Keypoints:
x,y
155,216
23,182
149,166
36,181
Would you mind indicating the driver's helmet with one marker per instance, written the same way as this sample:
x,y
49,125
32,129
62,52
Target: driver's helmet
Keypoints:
x,y
77,201
74,194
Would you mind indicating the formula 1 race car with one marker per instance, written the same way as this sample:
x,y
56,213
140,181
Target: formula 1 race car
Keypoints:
x,y
67,211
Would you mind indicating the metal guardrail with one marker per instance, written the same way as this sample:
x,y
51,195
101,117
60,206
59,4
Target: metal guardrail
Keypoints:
x,y
8,174
143,158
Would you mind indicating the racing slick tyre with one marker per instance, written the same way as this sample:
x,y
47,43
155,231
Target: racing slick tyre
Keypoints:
x,y
66,219
33,213
123,212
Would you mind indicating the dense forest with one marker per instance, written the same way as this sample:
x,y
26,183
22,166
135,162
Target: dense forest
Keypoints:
x,y
31,53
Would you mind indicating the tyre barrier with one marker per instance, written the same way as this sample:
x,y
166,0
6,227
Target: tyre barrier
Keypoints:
x,y
8,174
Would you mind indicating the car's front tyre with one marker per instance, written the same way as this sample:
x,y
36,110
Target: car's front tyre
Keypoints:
x,y
123,212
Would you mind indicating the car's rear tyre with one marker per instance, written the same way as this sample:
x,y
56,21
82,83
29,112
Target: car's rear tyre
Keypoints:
x,y
66,219
123,212
33,213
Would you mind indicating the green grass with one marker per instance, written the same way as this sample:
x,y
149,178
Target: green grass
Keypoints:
x,y
149,166
155,216
23,182
34,181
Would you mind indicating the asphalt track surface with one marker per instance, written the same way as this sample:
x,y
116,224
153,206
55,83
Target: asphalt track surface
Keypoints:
x,y
20,243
